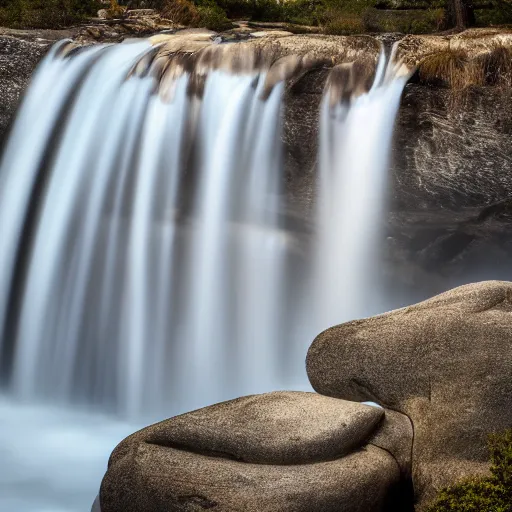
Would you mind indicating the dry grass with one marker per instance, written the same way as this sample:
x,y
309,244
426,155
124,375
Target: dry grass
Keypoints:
x,y
182,12
447,67
496,66
342,24
457,70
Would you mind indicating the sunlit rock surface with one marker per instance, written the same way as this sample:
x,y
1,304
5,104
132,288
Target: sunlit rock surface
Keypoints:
x,y
284,451
445,363
414,48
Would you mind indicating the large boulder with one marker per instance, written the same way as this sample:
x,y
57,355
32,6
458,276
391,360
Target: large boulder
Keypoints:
x,y
446,363
278,452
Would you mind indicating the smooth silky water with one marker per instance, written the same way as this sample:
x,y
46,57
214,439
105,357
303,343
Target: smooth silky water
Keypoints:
x,y
144,267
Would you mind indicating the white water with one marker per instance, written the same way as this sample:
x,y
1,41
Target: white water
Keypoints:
x,y
53,459
354,144
144,243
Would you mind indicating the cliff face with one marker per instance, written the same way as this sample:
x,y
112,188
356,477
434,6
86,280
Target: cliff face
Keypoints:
x,y
18,59
452,152
20,52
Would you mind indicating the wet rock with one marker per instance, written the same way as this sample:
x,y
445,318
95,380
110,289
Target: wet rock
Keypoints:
x,y
445,363
285,451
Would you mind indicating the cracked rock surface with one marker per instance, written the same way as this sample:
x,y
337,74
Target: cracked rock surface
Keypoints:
x,y
445,363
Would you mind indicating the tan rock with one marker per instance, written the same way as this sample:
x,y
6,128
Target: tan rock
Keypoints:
x,y
395,435
446,363
278,452
274,428
150,478
271,33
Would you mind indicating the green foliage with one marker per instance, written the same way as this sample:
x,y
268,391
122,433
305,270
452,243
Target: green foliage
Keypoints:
x,y
493,494
333,16
341,23
497,12
212,16
405,21
303,12
500,448
46,13
202,13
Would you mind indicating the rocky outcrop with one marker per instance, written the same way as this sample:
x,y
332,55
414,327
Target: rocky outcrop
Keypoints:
x,y
131,23
18,59
449,152
445,363
285,451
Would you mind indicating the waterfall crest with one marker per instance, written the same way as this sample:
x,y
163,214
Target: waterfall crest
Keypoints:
x,y
144,264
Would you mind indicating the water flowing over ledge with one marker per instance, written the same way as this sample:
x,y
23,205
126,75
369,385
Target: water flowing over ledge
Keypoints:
x,y
145,265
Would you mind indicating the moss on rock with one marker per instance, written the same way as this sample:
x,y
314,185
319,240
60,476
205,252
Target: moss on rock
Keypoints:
x,y
492,494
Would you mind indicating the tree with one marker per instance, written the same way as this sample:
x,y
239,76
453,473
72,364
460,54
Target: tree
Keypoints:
x,y
462,14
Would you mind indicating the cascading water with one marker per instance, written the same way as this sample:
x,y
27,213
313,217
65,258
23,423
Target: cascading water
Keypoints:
x,y
355,138
144,266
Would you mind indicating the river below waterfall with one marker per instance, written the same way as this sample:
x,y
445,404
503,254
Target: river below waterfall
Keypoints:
x,y
53,459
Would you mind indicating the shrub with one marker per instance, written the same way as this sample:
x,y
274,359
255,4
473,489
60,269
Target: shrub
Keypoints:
x,y
405,21
237,9
500,448
47,13
340,23
497,12
492,494
182,12
203,13
212,17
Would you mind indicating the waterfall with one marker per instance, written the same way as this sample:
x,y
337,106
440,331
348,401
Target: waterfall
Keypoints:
x,y
355,139
144,267
145,264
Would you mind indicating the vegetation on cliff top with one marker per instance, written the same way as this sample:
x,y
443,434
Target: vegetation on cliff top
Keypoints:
x,y
46,13
492,494
331,16
457,70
